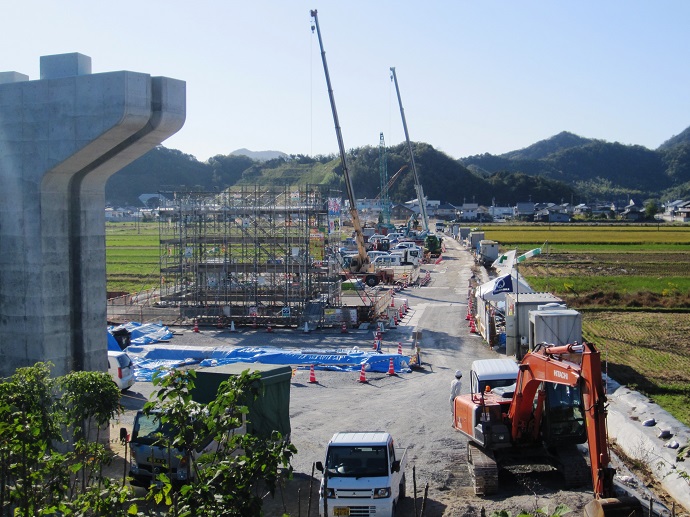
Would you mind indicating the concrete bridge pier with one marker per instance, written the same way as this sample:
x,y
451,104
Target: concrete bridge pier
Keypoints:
x,y
61,137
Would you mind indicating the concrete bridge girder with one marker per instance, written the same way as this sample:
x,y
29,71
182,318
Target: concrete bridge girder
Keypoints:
x,y
61,137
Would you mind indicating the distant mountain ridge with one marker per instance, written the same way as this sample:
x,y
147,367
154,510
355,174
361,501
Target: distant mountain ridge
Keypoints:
x,y
259,156
560,142
565,166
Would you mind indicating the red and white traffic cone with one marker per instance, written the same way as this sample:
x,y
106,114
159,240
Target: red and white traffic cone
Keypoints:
x,y
400,349
362,375
196,326
391,367
312,375
343,328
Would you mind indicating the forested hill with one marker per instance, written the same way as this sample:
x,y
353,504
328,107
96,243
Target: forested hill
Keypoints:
x,y
563,167
599,169
442,177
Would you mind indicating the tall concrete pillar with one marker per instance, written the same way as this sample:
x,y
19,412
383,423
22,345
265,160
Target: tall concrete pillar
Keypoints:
x,y
61,137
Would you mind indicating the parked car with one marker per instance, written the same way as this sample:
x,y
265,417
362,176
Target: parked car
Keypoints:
x,y
405,245
387,261
121,369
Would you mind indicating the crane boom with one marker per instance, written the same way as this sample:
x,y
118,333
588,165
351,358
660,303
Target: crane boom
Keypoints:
x,y
362,265
417,184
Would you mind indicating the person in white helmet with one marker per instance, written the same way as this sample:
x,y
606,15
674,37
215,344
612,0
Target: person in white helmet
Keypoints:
x,y
455,386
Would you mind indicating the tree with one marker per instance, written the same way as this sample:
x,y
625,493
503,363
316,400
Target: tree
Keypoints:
x,y
651,208
224,481
42,471
52,461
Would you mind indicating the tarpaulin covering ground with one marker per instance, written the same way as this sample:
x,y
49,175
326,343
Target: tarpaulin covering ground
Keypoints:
x,y
148,354
147,359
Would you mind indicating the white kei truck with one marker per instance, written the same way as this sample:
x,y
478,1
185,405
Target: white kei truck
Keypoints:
x,y
364,475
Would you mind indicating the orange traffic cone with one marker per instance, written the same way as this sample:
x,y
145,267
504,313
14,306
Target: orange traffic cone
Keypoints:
x,y
473,327
392,301
269,328
399,348
362,375
391,367
400,313
312,375
196,326
343,328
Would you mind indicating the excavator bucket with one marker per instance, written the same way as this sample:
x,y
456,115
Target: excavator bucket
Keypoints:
x,y
614,507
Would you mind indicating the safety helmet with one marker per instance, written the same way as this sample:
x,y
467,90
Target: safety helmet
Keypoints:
x,y
458,374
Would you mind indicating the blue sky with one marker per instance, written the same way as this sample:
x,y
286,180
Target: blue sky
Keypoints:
x,y
475,76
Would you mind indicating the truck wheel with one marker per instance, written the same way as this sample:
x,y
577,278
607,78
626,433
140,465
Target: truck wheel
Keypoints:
x,y
372,280
402,492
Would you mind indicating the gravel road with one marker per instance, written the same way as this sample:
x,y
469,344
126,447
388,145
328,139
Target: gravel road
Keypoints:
x,y
413,407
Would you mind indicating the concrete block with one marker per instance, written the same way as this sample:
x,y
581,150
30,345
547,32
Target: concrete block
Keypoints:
x,y
12,77
65,65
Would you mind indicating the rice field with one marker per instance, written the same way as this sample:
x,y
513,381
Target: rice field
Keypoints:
x,y
632,285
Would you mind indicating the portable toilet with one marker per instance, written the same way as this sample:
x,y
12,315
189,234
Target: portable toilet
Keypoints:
x,y
488,251
474,239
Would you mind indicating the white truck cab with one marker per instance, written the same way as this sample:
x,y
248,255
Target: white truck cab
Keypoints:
x,y
492,373
363,471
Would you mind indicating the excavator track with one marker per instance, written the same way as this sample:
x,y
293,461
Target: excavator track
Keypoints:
x,y
483,470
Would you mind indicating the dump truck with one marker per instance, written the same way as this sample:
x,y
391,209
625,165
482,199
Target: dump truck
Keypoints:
x,y
269,412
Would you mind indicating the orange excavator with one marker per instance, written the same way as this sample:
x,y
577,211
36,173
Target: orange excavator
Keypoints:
x,y
557,402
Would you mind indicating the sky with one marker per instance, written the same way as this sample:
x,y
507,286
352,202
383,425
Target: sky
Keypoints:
x,y
481,76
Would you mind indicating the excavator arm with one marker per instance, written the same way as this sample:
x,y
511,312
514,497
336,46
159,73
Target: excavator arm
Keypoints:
x,y
547,365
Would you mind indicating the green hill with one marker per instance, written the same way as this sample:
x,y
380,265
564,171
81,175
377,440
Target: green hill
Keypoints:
x,y
565,166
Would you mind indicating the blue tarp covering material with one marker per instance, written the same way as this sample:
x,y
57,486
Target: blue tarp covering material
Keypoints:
x,y
144,334
113,344
151,358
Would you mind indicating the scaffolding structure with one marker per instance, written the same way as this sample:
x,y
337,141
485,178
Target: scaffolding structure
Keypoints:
x,y
253,254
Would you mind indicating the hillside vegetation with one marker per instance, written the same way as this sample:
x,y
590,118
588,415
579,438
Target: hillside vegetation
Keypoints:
x,y
565,167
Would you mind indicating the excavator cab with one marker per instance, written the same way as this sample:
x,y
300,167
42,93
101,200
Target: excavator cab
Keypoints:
x,y
564,419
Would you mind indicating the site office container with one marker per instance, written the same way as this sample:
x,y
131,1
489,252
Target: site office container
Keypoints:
x,y
517,310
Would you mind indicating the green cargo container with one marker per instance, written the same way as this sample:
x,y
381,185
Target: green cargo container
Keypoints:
x,y
267,413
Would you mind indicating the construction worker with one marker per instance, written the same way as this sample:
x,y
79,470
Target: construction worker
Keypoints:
x,y
455,386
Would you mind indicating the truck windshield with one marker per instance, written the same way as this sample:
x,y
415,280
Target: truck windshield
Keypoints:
x,y
148,429
357,461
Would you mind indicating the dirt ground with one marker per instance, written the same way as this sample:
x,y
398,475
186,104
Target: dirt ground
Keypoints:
x,y
414,407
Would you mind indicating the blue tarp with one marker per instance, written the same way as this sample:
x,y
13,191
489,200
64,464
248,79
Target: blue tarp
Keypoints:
x,y
143,334
113,344
151,358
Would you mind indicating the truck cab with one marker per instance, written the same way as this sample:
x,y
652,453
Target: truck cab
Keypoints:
x,y
492,373
363,470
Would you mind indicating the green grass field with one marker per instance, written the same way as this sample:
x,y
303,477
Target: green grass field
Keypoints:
x,y
132,257
632,284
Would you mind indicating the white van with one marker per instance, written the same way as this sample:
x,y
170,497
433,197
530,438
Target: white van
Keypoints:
x,y
120,369
405,244
387,261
